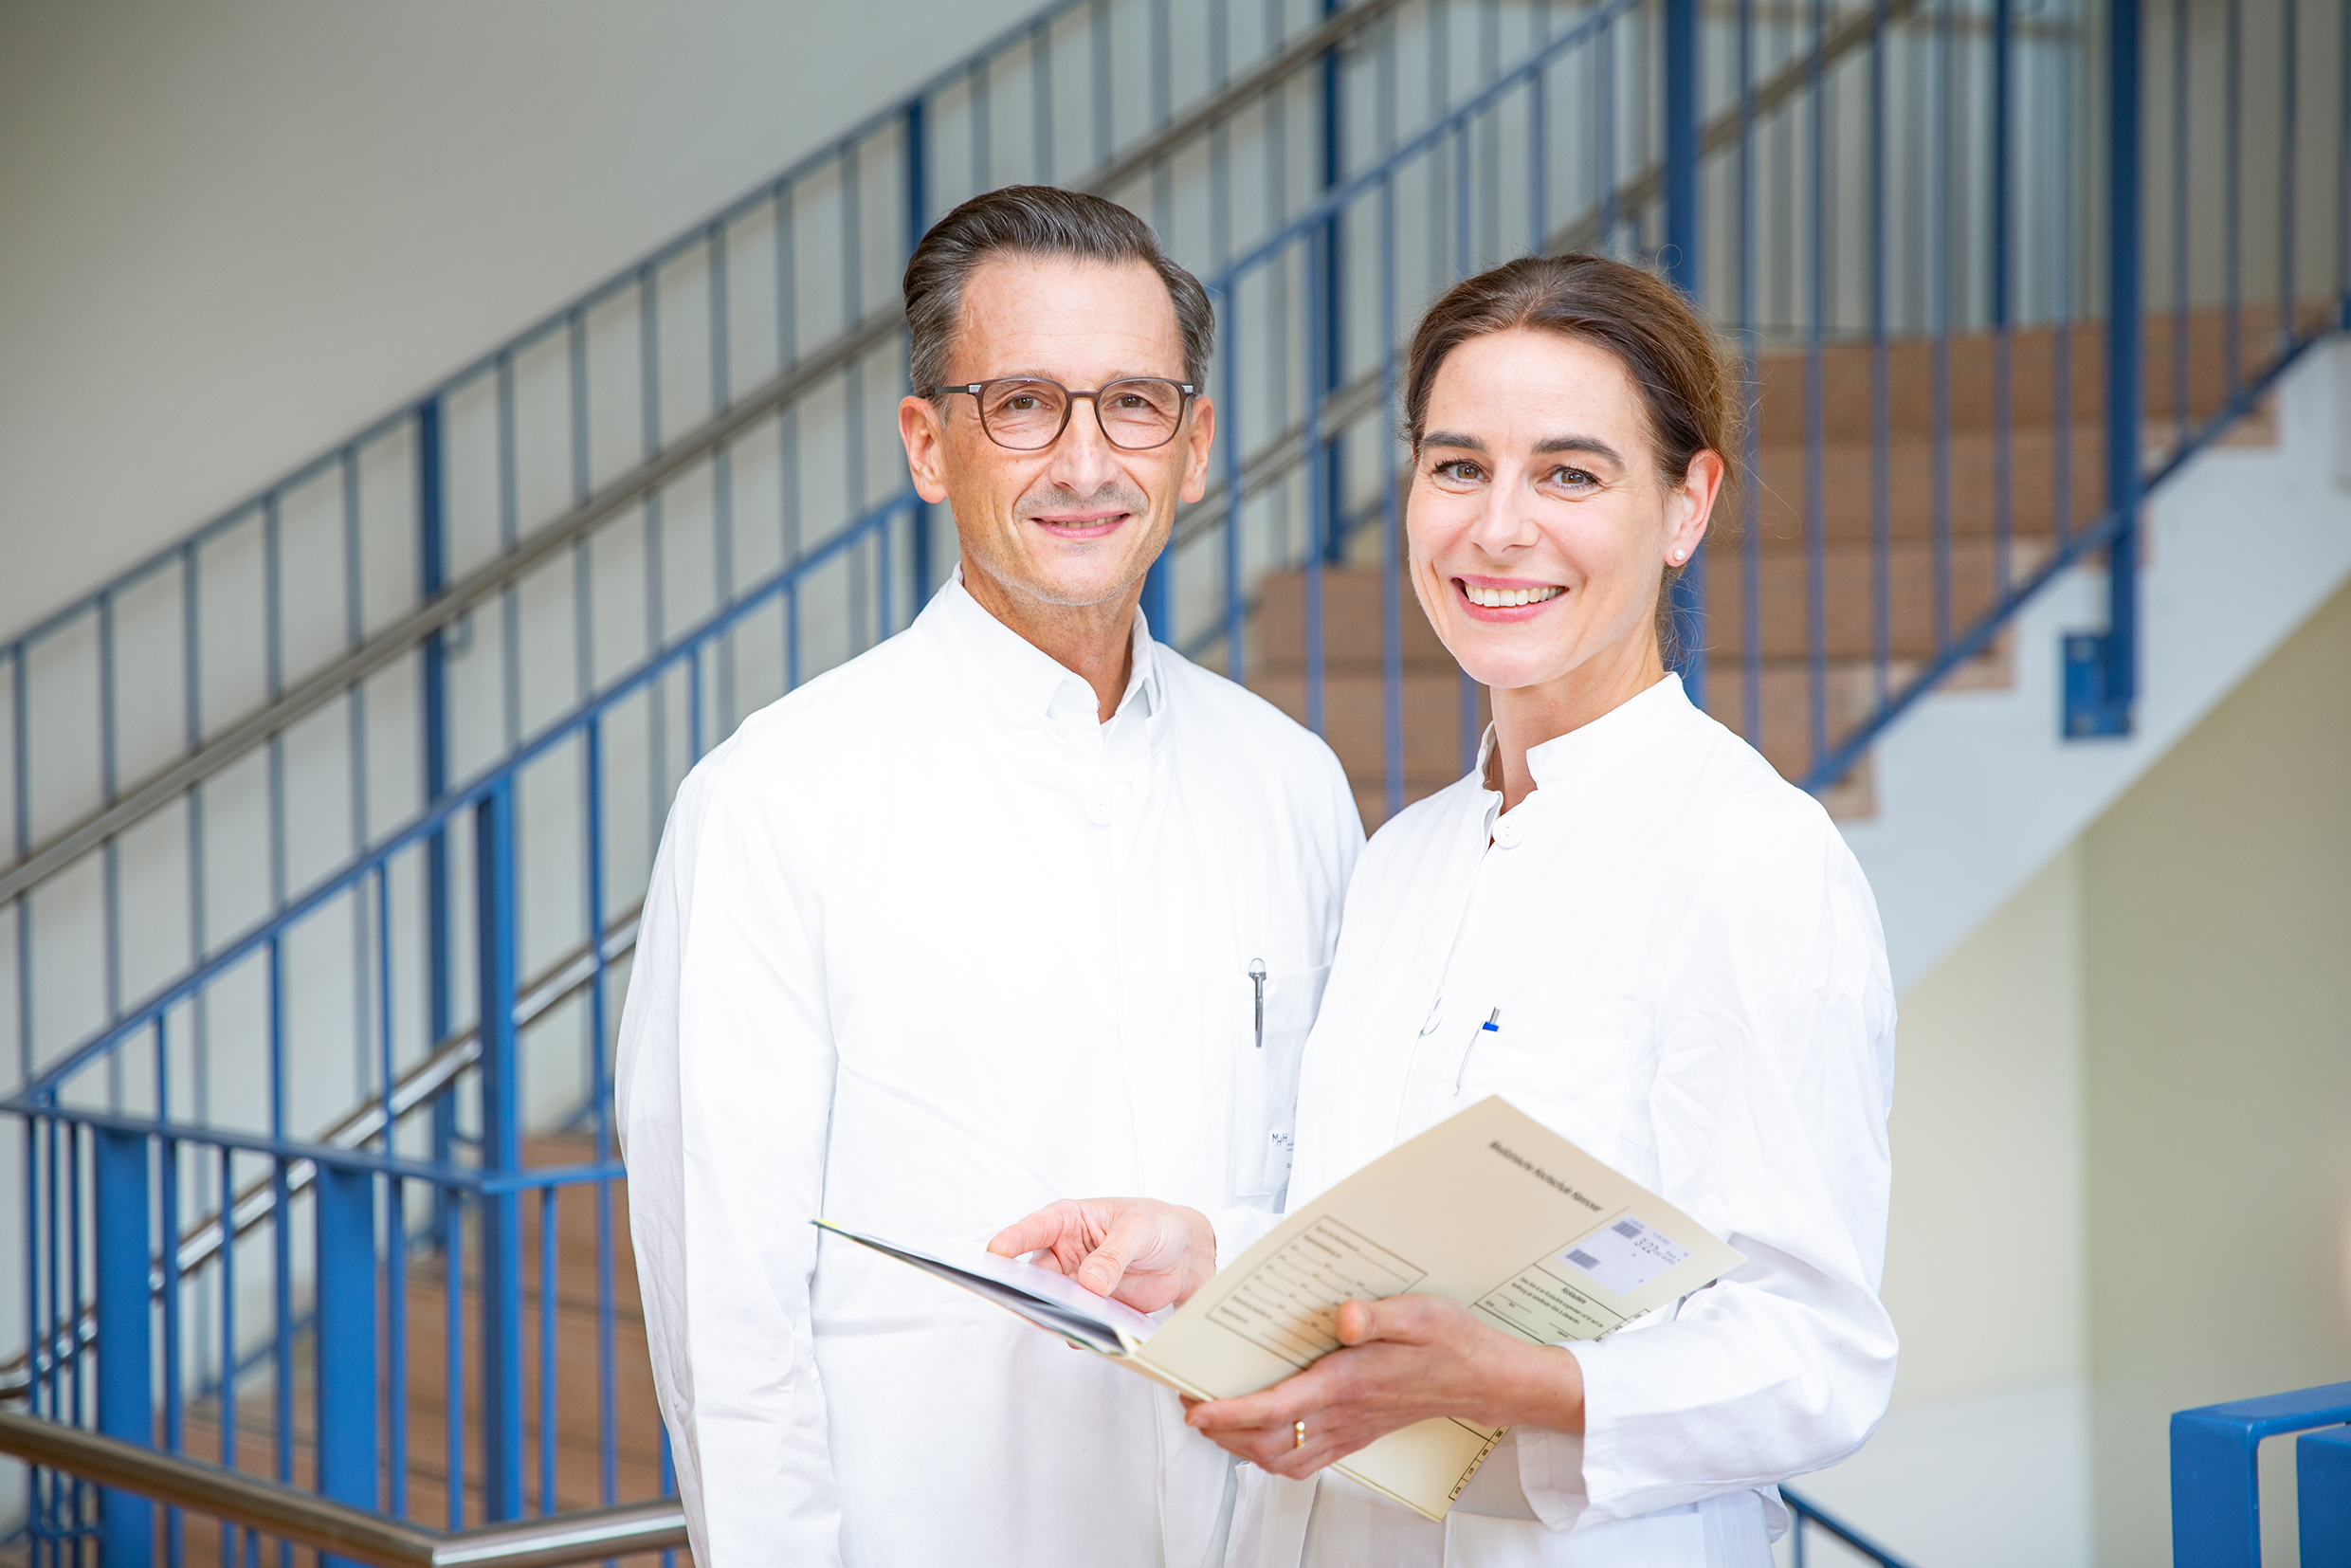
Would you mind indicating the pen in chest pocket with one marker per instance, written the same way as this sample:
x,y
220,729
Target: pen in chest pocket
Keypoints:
x,y
1257,979
1491,1025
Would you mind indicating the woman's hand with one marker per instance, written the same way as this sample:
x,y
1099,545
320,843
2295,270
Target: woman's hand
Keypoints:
x,y
1139,1251
1407,1359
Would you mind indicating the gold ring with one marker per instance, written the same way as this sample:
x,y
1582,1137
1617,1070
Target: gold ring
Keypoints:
x,y
1298,1434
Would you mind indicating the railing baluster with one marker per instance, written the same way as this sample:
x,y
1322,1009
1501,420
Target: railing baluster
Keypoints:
x,y
1815,398
2289,56
495,921
2232,202
227,1386
1391,520
343,1334
1880,380
125,1367
548,1502
2004,518
1751,539
2182,418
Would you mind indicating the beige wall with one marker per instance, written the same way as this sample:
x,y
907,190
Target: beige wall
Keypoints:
x,y
2216,1006
2125,1104
1987,1131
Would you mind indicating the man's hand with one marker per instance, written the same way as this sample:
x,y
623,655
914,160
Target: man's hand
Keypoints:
x,y
1139,1251
1407,1359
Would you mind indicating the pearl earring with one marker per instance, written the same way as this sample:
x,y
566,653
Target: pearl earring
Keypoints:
x,y
1677,555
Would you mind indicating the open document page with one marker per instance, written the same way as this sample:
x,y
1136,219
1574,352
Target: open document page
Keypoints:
x,y
1489,1207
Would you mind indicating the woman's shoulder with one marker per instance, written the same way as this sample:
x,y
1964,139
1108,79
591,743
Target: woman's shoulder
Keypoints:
x,y
1731,808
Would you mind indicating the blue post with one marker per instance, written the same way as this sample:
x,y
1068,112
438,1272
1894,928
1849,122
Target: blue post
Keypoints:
x,y
2323,1494
432,574
125,1362
346,1336
2215,1480
2101,670
1681,258
1331,372
919,223
501,1152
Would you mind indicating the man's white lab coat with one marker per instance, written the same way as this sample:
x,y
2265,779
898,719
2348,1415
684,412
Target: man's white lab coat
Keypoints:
x,y
1693,988
927,947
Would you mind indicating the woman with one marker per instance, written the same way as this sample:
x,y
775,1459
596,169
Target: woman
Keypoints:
x,y
1690,979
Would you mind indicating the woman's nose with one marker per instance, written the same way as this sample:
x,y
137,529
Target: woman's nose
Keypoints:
x,y
1504,523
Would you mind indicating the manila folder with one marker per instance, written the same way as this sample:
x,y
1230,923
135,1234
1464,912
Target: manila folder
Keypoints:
x,y
1488,1207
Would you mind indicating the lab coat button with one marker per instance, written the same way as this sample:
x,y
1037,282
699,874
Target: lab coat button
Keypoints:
x,y
1098,813
1507,833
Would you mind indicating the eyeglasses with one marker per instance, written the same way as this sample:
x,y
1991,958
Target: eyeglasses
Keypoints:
x,y
1029,416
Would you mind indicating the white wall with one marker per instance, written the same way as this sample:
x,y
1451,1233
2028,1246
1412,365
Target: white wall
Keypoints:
x,y
231,231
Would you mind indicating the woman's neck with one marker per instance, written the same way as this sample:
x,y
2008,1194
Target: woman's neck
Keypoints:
x,y
1525,717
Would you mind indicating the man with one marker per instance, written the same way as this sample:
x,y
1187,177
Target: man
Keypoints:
x,y
977,920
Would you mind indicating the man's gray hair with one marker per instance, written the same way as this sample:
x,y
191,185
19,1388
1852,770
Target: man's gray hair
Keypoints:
x,y
1038,220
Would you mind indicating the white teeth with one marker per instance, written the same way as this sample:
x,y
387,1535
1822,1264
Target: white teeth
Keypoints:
x,y
1507,598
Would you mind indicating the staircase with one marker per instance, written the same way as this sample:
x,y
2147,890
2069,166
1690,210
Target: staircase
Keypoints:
x,y
1951,549
386,827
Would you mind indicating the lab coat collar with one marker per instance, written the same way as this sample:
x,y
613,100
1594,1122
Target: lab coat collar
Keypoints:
x,y
1586,752
1613,737
1023,676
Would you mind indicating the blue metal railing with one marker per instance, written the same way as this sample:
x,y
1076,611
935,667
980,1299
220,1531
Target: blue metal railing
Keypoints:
x,y
478,830
1810,1516
458,832
2216,1479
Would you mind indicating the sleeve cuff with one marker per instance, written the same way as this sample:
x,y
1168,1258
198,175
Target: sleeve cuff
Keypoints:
x,y
1551,1467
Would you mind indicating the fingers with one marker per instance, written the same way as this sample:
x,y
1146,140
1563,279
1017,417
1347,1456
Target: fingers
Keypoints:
x,y
1133,1238
1409,1320
1040,1231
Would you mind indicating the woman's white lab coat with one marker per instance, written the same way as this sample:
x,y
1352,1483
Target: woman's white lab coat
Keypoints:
x,y
1693,986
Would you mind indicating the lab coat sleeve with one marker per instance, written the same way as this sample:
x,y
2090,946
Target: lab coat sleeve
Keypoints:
x,y
1770,1108
1238,1230
724,1087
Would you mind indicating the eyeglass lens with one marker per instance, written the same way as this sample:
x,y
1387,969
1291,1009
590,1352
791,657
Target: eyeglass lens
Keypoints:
x,y
1029,416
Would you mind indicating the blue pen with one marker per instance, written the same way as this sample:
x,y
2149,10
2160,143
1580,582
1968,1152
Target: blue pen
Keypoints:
x,y
1491,1025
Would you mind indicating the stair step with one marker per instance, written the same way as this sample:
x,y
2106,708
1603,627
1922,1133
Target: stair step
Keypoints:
x,y
1848,608
1848,395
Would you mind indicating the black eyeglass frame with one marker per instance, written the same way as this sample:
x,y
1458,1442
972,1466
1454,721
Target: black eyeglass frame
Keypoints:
x,y
1069,407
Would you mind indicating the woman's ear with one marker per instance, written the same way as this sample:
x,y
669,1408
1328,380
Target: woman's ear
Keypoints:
x,y
1690,507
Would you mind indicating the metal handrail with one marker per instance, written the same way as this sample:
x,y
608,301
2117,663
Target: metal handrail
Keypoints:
x,y
1351,401
309,1520
200,1242
1808,1513
467,594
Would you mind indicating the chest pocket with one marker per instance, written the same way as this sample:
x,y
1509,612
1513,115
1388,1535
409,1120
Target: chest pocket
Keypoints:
x,y
1265,1085
1586,1085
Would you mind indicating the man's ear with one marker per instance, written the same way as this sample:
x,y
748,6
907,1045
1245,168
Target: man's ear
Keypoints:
x,y
925,436
1197,440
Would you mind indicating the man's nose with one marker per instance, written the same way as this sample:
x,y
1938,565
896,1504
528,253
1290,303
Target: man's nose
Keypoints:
x,y
1084,460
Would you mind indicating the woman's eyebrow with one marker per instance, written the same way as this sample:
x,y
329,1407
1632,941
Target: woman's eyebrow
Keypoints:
x,y
1448,438
1590,444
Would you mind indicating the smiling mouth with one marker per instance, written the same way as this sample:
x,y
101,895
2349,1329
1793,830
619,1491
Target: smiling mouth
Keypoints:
x,y
1091,526
1507,598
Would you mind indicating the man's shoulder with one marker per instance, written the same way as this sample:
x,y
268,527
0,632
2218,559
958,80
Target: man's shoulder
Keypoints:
x,y
800,740
1237,716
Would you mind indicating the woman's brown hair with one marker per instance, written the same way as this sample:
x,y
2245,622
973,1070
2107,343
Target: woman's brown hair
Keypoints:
x,y
1687,386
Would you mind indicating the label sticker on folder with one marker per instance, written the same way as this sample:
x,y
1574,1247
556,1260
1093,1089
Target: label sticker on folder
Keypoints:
x,y
1624,1257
